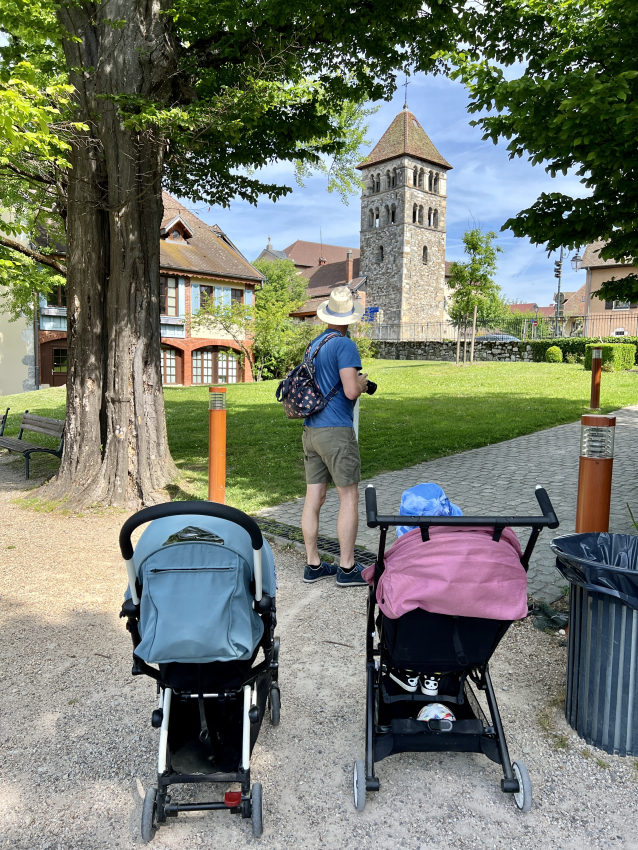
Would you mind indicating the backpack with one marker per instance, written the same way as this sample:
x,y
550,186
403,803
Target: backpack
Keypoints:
x,y
299,391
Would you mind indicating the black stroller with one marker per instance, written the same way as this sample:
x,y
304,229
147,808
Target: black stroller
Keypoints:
x,y
201,605
429,643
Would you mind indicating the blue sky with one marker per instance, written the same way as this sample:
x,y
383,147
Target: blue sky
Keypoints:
x,y
484,187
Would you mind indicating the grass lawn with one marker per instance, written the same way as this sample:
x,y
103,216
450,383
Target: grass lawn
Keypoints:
x,y
422,410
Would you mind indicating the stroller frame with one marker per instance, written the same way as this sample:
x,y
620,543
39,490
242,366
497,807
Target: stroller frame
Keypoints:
x,y
158,805
474,736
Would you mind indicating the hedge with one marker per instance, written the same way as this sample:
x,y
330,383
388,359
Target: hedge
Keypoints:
x,y
619,356
573,345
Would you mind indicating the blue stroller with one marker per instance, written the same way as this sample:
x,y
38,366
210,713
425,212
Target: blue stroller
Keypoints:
x,y
200,605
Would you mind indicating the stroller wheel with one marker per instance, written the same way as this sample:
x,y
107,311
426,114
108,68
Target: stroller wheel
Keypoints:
x,y
275,706
523,798
149,810
257,814
359,785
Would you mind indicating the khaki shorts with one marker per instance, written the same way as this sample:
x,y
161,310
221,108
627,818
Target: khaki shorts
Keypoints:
x,y
331,454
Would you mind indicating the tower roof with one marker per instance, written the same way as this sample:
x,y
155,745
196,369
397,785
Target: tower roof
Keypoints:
x,y
404,136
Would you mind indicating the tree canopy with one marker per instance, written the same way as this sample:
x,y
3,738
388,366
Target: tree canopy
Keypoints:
x,y
562,80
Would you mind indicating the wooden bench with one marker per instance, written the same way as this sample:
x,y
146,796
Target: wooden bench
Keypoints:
x,y
38,425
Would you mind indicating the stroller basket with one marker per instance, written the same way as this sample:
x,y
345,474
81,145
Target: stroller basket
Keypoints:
x,y
200,607
455,649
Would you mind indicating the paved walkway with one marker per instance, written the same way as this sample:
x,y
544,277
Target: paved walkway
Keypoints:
x,y
500,479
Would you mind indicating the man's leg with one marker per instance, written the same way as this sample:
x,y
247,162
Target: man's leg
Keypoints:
x,y
315,497
347,523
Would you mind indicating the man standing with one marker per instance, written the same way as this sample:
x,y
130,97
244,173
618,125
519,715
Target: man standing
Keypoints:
x,y
331,451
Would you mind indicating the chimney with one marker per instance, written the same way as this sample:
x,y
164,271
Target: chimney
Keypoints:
x,y
349,267
322,262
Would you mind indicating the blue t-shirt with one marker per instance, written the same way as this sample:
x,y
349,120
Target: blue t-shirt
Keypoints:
x,y
337,353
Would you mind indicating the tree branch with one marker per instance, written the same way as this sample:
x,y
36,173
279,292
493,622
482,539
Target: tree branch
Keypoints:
x,y
34,255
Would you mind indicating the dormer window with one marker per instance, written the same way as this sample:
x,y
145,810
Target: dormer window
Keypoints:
x,y
176,230
175,234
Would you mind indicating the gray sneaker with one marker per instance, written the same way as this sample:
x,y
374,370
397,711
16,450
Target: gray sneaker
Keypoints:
x,y
352,578
324,570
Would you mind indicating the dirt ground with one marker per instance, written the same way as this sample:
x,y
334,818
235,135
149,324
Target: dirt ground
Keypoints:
x,y
77,749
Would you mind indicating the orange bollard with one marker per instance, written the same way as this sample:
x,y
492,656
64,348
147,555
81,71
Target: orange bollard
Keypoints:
x,y
217,444
596,369
594,472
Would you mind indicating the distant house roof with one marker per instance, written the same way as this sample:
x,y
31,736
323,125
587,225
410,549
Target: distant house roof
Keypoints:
x,y
591,258
404,136
325,278
308,254
270,254
531,308
208,252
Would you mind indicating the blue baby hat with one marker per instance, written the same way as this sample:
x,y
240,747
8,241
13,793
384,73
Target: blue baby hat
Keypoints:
x,y
425,500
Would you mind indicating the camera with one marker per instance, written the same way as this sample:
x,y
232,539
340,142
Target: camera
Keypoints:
x,y
372,387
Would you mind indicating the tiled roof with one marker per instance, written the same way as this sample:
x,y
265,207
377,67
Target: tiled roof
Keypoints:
x,y
529,308
325,278
404,136
591,258
209,251
311,305
308,253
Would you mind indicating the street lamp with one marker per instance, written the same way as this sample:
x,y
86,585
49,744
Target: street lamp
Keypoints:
x,y
577,262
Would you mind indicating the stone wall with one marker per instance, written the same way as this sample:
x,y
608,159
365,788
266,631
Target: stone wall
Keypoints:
x,y
502,351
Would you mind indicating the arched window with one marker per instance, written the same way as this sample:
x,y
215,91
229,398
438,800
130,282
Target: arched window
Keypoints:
x,y
393,214
394,177
435,219
421,179
425,254
380,253
430,217
376,217
386,214
378,183
430,182
372,185
415,177
371,218
388,180
436,183
420,215
415,213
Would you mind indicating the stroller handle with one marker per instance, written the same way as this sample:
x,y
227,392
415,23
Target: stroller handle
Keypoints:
x,y
548,519
212,509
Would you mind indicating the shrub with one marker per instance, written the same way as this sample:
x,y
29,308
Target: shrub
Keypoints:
x,y
554,354
571,358
616,356
571,345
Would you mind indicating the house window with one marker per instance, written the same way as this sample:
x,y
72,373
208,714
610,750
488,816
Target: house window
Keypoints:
x,y
226,368
168,296
59,360
57,298
236,295
620,305
203,366
169,366
176,234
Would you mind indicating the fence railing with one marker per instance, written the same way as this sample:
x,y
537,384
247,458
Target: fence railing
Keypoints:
x,y
610,323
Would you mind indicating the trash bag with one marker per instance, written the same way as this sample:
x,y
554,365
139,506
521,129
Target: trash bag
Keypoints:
x,y
600,563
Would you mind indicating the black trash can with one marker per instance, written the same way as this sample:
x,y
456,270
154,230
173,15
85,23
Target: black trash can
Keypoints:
x,y
601,701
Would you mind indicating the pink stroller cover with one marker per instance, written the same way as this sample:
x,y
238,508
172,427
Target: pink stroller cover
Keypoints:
x,y
458,571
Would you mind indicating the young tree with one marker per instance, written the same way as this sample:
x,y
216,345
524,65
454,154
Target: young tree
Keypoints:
x,y
574,105
473,281
265,332
195,95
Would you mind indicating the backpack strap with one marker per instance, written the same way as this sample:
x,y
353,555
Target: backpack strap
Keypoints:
x,y
333,392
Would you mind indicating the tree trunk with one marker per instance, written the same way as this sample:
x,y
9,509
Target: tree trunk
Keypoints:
x,y
116,449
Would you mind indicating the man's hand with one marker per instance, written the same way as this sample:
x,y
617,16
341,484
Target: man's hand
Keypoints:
x,y
353,383
362,380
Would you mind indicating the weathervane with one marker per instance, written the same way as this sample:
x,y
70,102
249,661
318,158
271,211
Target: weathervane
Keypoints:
x,y
405,86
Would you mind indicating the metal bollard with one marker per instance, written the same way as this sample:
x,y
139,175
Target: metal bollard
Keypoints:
x,y
596,369
594,472
217,444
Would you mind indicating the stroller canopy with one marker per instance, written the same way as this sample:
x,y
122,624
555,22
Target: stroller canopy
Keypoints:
x,y
196,603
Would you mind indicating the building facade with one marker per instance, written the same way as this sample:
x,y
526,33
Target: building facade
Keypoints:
x,y
197,261
403,209
606,318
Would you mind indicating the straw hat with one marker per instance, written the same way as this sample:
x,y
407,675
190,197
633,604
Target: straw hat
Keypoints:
x,y
340,308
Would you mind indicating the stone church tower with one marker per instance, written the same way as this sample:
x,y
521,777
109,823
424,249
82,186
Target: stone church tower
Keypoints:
x,y
403,224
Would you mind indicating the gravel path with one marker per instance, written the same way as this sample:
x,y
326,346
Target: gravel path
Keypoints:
x,y
77,748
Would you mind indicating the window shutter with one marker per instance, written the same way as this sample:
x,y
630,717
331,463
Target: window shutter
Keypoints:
x,y
181,297
195,302
609,305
